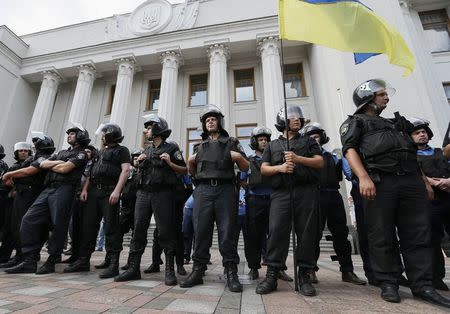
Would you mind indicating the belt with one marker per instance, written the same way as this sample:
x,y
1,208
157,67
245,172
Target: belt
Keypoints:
x,y
215,182
101,186
56,185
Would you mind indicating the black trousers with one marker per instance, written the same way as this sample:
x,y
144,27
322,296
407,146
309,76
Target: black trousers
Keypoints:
x,y
400,202
440,220
52,209
76,226
160,203
6,236
127,214
332,212
307,224
256,228
98,207
215,204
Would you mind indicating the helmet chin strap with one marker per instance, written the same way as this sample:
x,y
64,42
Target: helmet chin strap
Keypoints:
x,y
376,108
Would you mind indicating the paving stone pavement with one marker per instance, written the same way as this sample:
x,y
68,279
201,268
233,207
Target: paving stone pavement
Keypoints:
x,y
86,293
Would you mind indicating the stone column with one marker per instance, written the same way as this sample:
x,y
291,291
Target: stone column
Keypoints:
x,y
80,103
218,93
171,62
122,94
272,80
44,104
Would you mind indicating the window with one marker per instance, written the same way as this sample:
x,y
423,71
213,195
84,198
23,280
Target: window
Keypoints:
x,y
154,87
193,137
244,85
437,29
112,91
243,133
294,81
198,87
447,91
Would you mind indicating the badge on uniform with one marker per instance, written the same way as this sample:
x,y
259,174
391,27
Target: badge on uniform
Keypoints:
x,y
178,155
344,129
81,156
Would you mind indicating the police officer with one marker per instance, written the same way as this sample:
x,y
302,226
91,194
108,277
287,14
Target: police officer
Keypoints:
x,y
3,165
332,207
28,184
215,197
160,163
3,189
53,205
22,151
302,163
383,157
436,167
109,173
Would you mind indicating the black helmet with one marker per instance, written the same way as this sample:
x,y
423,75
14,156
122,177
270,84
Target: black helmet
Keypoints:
x,y
82,136
159,125
113,132
257,132
419,123
136,152
42,143
365,92
21,146
212,111
293,111
2,152
316,128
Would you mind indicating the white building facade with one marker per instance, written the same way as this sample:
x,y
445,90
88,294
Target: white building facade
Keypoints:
x,y
174,59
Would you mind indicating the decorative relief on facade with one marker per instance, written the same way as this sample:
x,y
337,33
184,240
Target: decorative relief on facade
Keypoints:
x,y
268,46
86,72
218,53
171,59
51,79
151,17
125,66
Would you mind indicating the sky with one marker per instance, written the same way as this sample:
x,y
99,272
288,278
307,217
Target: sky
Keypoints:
x,y
30,16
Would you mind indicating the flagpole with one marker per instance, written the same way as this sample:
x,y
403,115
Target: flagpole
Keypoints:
x,y
291,192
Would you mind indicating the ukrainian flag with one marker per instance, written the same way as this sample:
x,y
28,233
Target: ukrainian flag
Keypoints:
x,y
346,25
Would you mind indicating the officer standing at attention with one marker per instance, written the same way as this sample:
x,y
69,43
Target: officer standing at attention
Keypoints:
x,y
215,198
383,158
299,168
159,165
332,209
101,191
28,184
53,205
436,167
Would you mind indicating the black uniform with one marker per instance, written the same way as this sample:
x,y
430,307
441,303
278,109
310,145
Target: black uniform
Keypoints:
x,y
305,190
105,173
389,157
6,207
216,199
437,166
128,202
53,205
155,195
332,210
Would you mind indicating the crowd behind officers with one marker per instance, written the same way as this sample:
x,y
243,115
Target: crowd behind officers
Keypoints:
x,y
400,186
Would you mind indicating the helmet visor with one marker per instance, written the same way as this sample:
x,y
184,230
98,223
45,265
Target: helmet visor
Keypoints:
x,y
22,146
378,86
75,125
37,135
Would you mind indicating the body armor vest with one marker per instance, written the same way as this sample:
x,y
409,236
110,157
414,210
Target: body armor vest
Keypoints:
x,y
35,182
384,148
302,174
214,159
107,166
71,178
436,165
331,173
154,170
256,178
130,188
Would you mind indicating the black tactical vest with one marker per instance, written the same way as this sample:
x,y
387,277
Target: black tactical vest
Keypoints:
x,y
214,159
331,173
384,148
130,188
256,178
436,165
71,178
107,166
35,182
155,171
302,174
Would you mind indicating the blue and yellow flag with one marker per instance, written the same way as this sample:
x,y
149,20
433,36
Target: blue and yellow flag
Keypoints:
x,y
345,25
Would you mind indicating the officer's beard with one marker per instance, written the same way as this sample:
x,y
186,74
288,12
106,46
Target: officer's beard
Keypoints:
x,y
376,108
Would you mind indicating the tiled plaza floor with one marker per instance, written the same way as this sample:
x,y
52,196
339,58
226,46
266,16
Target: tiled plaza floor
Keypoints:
x,y
86,293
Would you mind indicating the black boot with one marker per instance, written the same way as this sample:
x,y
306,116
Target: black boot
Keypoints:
x,y
270,283
127,265
181,270
352,278
133,272
170,278
284,276
304,281
153,268
105,263
27,266
72,259
431,295
232,278
438,284
253,274
15,260
113,268
313,277
389,293
195,278
81,264
49,265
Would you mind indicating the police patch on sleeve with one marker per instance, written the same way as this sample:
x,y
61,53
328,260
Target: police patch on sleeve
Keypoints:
x,y
344,129
81,156
178,155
